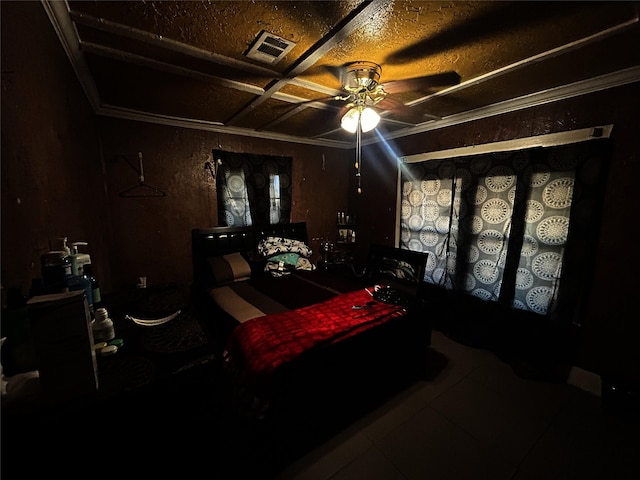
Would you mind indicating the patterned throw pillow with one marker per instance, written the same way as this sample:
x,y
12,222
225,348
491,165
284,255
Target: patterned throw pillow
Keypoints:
x,y
271,246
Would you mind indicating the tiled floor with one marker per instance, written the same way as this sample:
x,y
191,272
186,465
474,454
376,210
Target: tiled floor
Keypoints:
x,y
478,420
473,419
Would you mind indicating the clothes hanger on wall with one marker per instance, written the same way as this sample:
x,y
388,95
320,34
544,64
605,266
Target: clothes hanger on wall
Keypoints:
x,y
142,189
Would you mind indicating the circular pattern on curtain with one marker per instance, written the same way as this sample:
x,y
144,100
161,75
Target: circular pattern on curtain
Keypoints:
x,y
552,185
558,193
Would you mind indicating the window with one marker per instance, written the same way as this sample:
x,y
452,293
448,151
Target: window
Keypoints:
x,y
274,197
232,192
252,189
502,226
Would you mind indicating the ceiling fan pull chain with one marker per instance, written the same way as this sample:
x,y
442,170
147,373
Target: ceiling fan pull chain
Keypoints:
x,y
358,155
141,169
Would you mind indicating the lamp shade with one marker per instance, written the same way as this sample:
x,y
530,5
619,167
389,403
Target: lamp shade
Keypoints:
x,y
367,117
350,120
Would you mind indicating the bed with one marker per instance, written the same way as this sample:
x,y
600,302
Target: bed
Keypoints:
x,y
298,338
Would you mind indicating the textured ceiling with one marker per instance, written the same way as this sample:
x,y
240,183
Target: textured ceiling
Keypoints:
x,y
184,62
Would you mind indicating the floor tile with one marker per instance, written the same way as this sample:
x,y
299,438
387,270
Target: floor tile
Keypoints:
x,y
431,446
499,420
585,441
329,458
472,418
371,465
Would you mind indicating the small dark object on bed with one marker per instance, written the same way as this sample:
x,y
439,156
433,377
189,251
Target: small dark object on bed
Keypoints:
x,y
366,305
392,295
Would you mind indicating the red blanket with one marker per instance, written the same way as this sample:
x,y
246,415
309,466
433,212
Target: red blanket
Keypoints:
x,y
259,346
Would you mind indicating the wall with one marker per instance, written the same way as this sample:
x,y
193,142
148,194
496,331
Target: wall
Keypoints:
x,y
152,236
63,169
52,175
609,332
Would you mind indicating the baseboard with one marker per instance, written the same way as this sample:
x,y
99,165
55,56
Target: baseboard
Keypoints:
x,y
585,380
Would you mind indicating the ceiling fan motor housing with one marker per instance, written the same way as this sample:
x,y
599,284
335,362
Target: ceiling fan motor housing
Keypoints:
x,y
362,74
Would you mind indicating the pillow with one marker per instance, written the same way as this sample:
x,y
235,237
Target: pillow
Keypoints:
x,y
229,268
288,258
271,246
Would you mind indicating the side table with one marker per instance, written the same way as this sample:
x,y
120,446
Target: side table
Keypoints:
x,y
151,353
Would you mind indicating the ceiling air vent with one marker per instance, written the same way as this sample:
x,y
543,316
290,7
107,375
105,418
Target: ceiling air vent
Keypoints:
x,y
269,48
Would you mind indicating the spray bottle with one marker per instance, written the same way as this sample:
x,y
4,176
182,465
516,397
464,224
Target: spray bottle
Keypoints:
x,y
79,260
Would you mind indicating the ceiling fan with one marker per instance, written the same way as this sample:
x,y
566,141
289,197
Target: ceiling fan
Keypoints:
x,y
362,90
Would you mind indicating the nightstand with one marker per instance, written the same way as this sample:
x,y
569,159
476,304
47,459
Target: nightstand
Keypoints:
x,y
151,353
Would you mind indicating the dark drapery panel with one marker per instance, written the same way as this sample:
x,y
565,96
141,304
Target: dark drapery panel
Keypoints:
x,y
514,228
252,189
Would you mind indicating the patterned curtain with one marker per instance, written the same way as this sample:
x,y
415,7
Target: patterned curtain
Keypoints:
x,y
252,189
507,227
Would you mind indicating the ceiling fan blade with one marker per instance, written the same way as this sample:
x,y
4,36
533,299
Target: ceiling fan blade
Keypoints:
x,y
390,104
445,79
294,105
337,71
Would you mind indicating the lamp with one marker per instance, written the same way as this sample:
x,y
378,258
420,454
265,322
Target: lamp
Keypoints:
x,y
367,117
361,81
357,120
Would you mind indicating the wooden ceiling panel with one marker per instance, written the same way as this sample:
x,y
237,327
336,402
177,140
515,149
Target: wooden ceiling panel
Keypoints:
x,y
188,59
142,89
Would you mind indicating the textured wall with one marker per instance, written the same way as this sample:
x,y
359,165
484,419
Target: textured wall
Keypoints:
x,y
52,180
63,168
152,236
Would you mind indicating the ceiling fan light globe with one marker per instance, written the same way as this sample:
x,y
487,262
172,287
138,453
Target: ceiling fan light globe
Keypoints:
x,y
350,120
369,119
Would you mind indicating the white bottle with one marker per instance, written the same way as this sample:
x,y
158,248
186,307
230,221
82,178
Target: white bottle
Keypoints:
x,y
78,259
103,327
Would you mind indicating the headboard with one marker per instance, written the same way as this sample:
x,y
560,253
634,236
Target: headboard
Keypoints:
x,y
214,241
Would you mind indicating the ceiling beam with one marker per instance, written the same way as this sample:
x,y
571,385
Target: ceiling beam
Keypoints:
x,y
530,60
169,44
58,13
143,61
141,116
584,87
352,22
